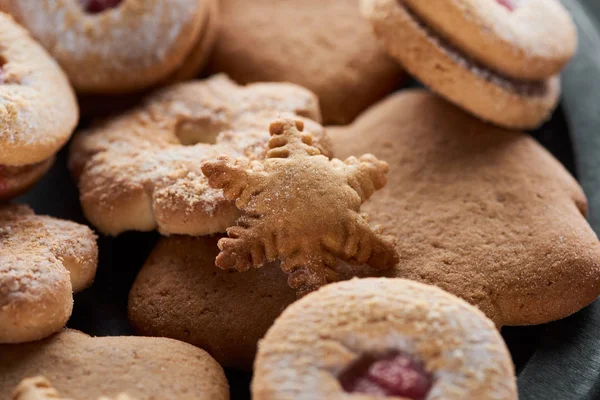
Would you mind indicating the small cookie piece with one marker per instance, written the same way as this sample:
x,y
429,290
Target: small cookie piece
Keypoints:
x,y
181,294
38,113
83,367
376,338
121,46
141,171
484,213
302,208
329,49
497,63
43,260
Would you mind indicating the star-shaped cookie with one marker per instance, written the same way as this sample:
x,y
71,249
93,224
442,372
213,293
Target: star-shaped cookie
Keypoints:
x,y
302,208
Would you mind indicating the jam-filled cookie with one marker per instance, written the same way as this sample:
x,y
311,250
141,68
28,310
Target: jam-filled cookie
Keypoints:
x,y
121,46
482,212
38,111
142,170
376,338
326,47
498,59
43,260
84,367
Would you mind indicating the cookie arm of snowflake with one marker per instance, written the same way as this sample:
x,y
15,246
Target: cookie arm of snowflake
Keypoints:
x,y
366,175
232,178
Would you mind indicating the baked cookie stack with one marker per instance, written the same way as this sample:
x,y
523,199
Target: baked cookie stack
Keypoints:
x,y
337,242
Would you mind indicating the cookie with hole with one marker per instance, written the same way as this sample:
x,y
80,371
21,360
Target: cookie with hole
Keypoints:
x,y
84,367
121,46
325,47
381,338
141,170
484,213
43,260
500,60
39,112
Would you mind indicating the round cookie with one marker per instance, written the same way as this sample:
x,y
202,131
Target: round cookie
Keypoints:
x,y
120,46
83,367
141,170
376,338
484,213
43,260
481,55
181,294
330,50
39,111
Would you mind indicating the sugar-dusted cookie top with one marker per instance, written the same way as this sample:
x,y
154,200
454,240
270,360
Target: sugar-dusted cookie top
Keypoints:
x,y
302,208
119,46
84,367
141,170
43,260
380,338
483,213
325,47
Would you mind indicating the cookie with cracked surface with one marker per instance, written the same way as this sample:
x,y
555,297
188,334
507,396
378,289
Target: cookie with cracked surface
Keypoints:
x,y
376,338
330,50
484,213
39,388
84,367
499,60
39,110
180,293
121,46
43,260
141,170
301,208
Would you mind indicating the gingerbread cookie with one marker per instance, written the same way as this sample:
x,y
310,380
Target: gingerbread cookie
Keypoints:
x,y
39,110
39,388
497,59
301,208
43,260
482,212
377,338
83,367
181,294
329,50
121,46
141,170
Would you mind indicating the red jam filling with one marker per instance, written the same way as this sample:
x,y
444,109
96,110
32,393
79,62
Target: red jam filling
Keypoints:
x,y
396,374
510,4
97,6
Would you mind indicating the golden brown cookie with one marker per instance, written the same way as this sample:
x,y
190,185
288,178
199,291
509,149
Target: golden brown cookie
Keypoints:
x,y
484,213
325,47
83,367
39,388
500,61
120,46
301,208
383,338
181,294
38,112
43,260
141,170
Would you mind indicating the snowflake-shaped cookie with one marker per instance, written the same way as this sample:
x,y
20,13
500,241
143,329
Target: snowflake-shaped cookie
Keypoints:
x,y
301,208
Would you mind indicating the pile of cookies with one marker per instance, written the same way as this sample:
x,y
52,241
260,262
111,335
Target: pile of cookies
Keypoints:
x,y
336,234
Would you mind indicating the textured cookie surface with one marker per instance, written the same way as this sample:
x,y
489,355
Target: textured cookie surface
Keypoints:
x,y
82,367
437,62
39,111
181,294
118,46
324,46
141,170
43,261
483,213
17,180
306,353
